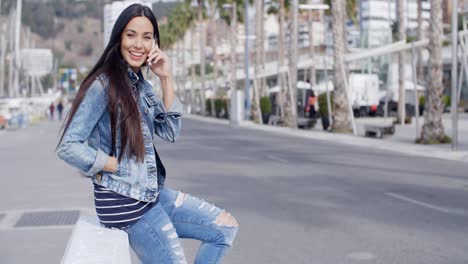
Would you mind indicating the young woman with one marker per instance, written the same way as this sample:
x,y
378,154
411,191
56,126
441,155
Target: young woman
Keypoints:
x,y
109,135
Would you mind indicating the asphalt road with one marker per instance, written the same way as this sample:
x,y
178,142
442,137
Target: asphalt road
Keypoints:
x,y
297,200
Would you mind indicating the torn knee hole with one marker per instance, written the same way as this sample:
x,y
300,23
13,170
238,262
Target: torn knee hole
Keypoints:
x,y
181,197
226,219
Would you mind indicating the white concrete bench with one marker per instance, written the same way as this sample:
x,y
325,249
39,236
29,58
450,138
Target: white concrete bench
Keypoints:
x,y
378,131
273,120
90,243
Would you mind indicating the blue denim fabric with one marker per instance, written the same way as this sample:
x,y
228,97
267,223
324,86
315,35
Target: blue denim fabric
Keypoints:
x,y
87,142
155,237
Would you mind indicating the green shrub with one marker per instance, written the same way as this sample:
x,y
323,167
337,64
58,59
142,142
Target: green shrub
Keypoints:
x,y
446,100
410,39
422,100
219,105
208,106
444,140
322,101
265,105
208,69
47,81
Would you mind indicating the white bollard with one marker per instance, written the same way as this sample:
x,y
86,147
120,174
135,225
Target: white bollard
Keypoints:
x,y
90,243
237,107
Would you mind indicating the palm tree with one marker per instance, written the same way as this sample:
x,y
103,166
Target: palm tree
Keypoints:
x,y
180,19
341,121
259,54
433,129
192,68
226,14
214,35
401,63
286,99
281,57
420,37
232,16
281,99
290,104
202,55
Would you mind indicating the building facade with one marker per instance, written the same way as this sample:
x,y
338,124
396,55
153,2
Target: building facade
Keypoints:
x,y
378,18
112,12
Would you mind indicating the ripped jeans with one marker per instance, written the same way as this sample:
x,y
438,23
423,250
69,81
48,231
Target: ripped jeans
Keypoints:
x,y
155,237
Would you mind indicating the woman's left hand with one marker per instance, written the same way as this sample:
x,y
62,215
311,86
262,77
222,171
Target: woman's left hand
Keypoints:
x,y
159,62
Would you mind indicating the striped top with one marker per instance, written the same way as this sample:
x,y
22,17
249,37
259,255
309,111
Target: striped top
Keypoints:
x,y
117,211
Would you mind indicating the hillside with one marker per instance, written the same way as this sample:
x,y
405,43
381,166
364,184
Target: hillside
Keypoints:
x,y
72,29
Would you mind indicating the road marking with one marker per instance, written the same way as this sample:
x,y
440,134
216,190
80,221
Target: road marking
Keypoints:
x,y
275,158
452,211
361,256
9,220
11,217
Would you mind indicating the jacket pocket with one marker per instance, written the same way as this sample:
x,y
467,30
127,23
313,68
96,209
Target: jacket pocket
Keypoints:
x,y
151,100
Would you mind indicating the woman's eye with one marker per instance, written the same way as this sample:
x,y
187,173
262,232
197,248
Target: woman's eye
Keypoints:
x,y
130,35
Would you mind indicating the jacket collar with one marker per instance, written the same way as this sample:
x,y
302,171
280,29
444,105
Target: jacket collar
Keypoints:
x,y
134,77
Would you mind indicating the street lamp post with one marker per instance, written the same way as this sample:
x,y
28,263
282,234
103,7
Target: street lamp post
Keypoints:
x,y
293,64
454,102
247,63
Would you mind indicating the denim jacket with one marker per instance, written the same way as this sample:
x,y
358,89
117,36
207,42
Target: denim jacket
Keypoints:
x,y
87,142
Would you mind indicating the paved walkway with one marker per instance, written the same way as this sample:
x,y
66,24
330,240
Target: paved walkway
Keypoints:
x,y
402,141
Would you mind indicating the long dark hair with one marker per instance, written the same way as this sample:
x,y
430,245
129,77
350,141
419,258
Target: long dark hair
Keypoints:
x,y
123,109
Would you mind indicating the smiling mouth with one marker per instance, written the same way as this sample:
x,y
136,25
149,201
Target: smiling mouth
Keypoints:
x,y
136,55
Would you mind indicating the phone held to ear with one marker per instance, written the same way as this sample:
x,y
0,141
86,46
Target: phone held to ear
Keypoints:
x,y
149,63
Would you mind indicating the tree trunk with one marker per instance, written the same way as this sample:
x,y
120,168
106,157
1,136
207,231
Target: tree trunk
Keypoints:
x,y
184,72
233,57
341,122
401,63
280,99
213,49
420,37
258,58
202,56
263,88
3,43
290,101
11,48
433,129
263,84
193,100
311,79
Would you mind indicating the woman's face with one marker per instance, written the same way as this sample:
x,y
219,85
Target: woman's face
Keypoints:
x,y
136,41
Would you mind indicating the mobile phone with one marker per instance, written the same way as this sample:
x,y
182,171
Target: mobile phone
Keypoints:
x,y
149,63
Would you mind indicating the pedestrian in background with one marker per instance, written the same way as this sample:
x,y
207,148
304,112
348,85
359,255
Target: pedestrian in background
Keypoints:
x,y
51,111
60,109
109,135
311,105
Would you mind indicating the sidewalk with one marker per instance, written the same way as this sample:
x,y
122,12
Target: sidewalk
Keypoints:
x,y
401,142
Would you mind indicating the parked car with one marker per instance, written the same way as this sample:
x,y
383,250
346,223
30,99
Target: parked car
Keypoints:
x,y
5,114
3,122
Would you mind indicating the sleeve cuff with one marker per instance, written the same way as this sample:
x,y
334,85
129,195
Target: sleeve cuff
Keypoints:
x,y
175,111
101,160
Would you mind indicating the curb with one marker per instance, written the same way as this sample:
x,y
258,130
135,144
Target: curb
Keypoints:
x,y
408,149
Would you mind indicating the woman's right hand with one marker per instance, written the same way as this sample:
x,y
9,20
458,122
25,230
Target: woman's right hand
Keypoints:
x,y
111,165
